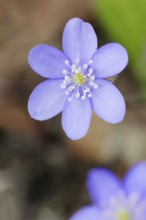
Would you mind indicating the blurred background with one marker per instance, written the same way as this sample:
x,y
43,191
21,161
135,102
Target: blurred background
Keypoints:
x,y
42,172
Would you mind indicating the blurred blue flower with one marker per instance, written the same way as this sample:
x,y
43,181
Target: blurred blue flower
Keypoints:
x,y
114,199
76,83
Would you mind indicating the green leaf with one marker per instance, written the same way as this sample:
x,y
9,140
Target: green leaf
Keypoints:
x,y
124,22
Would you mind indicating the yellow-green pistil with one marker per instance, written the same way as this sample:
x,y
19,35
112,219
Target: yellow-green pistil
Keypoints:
x,y
124,215
79,78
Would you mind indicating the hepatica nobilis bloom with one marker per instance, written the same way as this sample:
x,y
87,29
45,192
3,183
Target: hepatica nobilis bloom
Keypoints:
x,y
77,80
114,199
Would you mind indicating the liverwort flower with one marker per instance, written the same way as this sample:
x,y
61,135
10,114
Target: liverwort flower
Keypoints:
x,y
77,80
115,199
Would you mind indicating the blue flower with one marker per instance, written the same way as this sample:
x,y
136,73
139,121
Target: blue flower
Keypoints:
x,y
76,82
114,199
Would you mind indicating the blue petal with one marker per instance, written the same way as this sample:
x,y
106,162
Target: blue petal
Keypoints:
x,y
47,61
76,118
87,213
135,179
108,103
109,60
46,100
79,40
102,184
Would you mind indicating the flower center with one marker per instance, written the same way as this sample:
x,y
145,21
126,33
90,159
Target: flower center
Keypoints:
x,y
78,80
123,215
123,207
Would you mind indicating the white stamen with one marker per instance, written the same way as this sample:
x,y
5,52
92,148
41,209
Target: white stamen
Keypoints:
x,y
89,95
90,71
83,97
73,67
77,61
77,94
71,88
78,80
64,71
63,86
69,99
95,86
77,71
66,92
87,89
67,62
90,61
85,66
67,78
92,78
